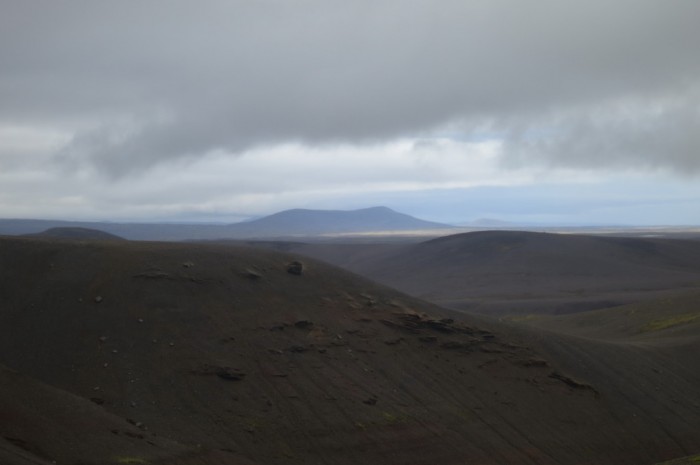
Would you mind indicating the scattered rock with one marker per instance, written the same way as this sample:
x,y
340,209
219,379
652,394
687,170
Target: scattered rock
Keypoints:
x,y
458,345
303,324
295,268
252,274
103,338
187,264
98,299
532,362
487,363
572,383
223,372
492,350
393,342
371,401
229,374
21,443
427,339
154,274
97,400
297,349
416,323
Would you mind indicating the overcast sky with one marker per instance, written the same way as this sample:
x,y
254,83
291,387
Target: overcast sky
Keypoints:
x,y
548,111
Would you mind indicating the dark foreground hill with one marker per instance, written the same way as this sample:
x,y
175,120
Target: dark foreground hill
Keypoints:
x,y
146,353
507,272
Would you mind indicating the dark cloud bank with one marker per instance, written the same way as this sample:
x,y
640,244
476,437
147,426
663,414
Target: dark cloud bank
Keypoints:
x,y
582,84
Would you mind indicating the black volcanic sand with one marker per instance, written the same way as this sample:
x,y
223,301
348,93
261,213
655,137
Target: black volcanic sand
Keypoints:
x,y
182,354
514,272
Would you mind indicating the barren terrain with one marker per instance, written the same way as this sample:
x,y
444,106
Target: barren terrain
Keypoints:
x,y
120,352
515,272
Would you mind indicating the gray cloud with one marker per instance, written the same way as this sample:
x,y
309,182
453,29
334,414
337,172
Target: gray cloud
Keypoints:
x,y
644,134
139,83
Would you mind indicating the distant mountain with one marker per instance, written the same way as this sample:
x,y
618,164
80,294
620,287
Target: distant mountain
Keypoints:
x,y
316,222
289,223
76,233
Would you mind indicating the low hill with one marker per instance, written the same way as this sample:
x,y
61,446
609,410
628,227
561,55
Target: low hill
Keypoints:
x,y
77,233
506,272
203,354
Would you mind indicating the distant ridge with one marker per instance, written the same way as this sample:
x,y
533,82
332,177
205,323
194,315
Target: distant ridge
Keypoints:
x,y
492,223
318,222
77,233
288,223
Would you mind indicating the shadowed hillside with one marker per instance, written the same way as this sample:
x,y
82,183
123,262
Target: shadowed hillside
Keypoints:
x,y
507,272
190,354
671,320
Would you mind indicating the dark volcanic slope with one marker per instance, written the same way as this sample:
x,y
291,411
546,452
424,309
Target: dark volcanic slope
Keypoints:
x,y
40,421
218,355
501,272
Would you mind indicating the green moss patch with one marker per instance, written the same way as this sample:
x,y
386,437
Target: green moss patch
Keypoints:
x,y
692,460
658,325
